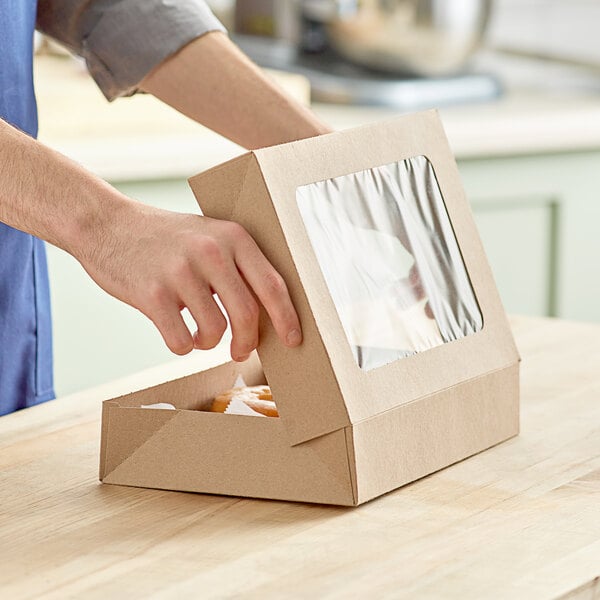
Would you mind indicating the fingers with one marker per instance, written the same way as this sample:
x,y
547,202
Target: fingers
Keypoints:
x,y
209,319
242,309
217,258
213,270
271,290
168,320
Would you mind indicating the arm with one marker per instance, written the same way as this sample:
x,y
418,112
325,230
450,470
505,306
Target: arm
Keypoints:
x,y
214,83
179,52
175,260
157,261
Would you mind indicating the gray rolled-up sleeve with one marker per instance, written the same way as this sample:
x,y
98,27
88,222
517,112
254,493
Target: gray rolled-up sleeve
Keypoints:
x,y
123,40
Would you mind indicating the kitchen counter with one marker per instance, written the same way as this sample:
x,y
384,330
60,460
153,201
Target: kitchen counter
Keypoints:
x,y
521,520
139,138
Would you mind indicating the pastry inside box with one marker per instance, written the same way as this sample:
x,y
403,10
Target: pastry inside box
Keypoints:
x,y
241,399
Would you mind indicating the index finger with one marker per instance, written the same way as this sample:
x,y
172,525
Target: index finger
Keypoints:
x,y
271,290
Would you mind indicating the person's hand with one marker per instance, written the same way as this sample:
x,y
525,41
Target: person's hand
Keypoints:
x,y
160,262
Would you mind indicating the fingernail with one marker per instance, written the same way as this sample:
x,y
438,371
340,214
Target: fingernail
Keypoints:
x,y
242,358
294,337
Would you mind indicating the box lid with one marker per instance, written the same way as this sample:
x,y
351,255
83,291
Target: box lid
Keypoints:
x,y
322,386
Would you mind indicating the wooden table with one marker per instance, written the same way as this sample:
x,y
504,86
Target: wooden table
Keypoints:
x,y
521,520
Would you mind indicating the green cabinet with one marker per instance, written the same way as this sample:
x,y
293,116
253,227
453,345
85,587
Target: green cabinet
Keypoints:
x,y
539,217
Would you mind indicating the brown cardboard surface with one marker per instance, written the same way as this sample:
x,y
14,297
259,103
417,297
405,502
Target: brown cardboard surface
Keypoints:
x,y
434,432
193,450
291,372
345,435
265,204
206,452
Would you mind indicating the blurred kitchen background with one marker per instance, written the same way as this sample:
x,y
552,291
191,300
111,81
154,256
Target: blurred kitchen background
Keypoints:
x,y
518,85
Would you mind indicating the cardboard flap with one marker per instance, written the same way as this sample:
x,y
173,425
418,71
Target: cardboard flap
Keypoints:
x,y
237,455
321,386
305,390
128,433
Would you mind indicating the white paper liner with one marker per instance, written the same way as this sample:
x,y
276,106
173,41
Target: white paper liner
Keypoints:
x,y
239,381
239,407
390,259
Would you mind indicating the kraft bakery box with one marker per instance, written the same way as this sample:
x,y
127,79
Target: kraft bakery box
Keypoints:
x,y
408,363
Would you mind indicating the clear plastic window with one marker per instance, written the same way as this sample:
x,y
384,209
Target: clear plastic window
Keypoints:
x,y
389,256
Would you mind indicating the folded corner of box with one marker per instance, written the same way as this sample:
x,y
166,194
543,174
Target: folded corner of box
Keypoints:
x,y
218,190
121,437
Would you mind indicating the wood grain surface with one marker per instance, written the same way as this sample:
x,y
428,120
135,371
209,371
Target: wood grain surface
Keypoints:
x,y
521,520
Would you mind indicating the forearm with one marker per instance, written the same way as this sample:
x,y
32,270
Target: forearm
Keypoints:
x,y
154,260
46,194
211,81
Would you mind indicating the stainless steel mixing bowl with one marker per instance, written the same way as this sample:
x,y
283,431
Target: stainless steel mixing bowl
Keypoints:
x,y
423,37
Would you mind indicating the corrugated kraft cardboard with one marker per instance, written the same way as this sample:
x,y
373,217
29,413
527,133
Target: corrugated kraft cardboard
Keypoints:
x,y
258,190
193,450
345,435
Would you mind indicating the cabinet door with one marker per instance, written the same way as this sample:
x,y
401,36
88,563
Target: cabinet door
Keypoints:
x,y
519,240
539,218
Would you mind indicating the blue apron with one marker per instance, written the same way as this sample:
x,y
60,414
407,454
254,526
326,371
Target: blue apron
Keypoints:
x,y
25,328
